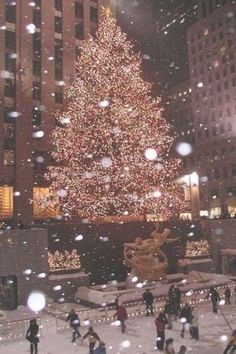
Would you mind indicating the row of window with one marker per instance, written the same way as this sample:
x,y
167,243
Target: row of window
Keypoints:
x,y
7,203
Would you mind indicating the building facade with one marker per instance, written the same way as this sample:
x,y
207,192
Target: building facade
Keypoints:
x,y
212,63
40,41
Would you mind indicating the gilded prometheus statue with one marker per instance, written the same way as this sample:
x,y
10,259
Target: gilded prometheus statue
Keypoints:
x,y
147,260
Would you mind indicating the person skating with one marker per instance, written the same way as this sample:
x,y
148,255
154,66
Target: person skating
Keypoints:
x,y
231,346
194,331
168,310
122,316
92,338
215,298
160,323
177,298
182,349
227,296
32,336
169,346
101,349
185,318
73,318
148,299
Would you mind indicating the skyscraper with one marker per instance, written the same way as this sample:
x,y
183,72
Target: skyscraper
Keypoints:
x,y
40,41
212,61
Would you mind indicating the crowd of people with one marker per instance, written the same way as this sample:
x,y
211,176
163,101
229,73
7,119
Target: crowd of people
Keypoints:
x,y
173,310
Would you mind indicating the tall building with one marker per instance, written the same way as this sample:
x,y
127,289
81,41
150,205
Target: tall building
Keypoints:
x,y
40,41
173,18
212,62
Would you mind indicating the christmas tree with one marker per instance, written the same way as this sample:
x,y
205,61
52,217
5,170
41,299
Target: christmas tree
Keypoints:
x,y
113,146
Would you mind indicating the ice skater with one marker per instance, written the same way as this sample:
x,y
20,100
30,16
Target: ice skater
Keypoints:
x,y
169,346
215,298
182,350
122,316
185,318
73,318
227,296
160,323
148,299
32,336
92,338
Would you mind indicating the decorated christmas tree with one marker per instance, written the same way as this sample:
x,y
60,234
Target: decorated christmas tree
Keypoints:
x,y
113,146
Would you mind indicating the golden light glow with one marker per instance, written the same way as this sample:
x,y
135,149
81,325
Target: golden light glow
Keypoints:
x,y
113,146
63,261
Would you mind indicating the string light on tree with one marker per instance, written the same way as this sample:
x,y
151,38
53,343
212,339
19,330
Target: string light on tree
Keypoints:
x,y
116,135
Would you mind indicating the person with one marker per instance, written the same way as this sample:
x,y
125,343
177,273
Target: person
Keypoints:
x,y
215,298
182,349
235,294
116,302
185,317
177,298
194,331
231,345
148,299
169,346
122,316
168,310
160,323
32,336
227,295
101,349
172,300
73,318
92,338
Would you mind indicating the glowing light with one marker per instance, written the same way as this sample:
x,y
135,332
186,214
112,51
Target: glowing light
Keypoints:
x,y
31,28
103,104
79,237
39,134
36,301
125,344
150,154
184,149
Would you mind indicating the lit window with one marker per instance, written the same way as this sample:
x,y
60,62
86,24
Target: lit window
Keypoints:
x,y
6,202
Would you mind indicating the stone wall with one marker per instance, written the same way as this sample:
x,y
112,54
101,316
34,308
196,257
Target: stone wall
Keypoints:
x,y
22,250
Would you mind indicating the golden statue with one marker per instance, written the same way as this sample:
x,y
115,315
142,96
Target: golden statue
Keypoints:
x,y
147,260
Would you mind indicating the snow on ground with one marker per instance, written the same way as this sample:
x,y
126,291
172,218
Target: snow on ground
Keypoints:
x,y
139,337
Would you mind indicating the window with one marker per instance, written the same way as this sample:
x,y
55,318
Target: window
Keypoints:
x,y
79,10
58,5
8,157
36,117
10,13
36,67
234,170
58,97
58,24
204,10
37,45
218,87
228,112
36,90
6,202
9,89
58,73
79,30
226,85
216,173
230,127
227,98
10,40
41,211
232,69
58,51
222,129
10,63
37,18
214,131
93,14
234,81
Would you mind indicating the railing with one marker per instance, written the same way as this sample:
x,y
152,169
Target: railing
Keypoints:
x,y
56,323
14,330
